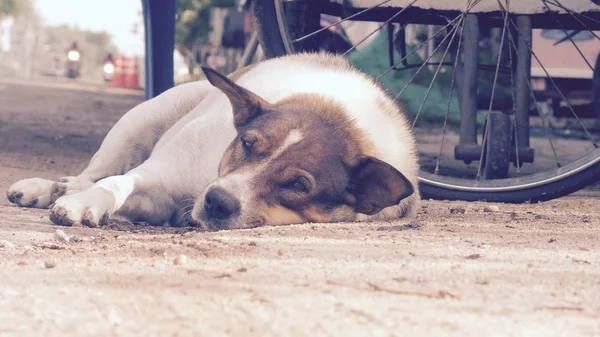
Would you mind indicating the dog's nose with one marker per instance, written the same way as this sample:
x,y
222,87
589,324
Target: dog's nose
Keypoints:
x,y
219,204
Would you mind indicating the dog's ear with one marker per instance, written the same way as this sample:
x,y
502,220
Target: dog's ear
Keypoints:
x,y
246,104
376,185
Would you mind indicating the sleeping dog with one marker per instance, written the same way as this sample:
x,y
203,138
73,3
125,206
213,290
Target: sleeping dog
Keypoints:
x,y
301,138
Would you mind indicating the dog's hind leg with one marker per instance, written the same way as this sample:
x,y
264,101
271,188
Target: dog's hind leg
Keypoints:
x,y
127,145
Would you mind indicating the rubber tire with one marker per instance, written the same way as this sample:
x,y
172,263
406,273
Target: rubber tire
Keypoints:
x,y
497,150
265,22
546,192
271,42
596,88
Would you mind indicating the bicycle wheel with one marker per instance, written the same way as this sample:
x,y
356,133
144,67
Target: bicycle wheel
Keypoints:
x,y
445,68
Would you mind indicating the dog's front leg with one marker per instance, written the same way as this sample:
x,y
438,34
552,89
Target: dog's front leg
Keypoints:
x,y
138,191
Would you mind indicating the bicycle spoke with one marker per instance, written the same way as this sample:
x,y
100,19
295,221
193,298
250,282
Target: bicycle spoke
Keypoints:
x,y
568,36
573,14
563,97
450,23
437,71
380,27
426,62
546,128
339,21
487,124
436,171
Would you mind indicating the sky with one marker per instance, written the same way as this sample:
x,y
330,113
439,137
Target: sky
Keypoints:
x,y
116,17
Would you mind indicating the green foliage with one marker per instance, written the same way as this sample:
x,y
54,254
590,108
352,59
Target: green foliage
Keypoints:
x,y
9,7
192,25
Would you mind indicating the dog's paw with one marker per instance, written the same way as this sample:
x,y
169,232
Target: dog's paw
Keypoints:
x,y
90,208
73,185
34,192
41,193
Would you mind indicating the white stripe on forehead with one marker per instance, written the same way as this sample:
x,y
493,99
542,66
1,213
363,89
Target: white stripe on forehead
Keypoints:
x,y
295,136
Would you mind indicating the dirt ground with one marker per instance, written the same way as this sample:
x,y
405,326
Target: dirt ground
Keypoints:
x,y
460,269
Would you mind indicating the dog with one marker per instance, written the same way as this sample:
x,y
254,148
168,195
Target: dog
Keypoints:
x,y
296,139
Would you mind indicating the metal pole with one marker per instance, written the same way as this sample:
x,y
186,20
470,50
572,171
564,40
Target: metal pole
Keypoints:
x,y
523,77
468,88
159,26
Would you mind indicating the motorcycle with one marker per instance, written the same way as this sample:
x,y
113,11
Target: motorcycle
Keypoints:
x,y
108,70
73,63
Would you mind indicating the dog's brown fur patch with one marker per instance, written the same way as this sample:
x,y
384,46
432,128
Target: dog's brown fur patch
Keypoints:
x,y
224,167
279,215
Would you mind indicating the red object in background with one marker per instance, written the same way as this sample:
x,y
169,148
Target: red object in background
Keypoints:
x,y
131,73
118,79
126,73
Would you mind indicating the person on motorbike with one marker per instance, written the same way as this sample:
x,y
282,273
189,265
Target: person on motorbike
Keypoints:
x,y
73,61
108,59
108,67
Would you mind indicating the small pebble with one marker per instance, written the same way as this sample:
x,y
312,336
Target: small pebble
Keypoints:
x,y
457,210
76,239
61,237
491,208
414,224
51,245
6,244
49,264
180,259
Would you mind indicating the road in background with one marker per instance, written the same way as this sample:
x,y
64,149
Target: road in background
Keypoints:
x,y
55,126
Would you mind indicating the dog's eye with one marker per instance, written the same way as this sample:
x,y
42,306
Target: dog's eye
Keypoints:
x,y
300,184
247,143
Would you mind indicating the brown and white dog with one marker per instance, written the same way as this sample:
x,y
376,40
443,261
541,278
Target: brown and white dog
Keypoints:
x,y
301,138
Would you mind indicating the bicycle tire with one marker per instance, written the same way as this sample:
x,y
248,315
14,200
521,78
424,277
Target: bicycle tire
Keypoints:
x,y
545,192
266,24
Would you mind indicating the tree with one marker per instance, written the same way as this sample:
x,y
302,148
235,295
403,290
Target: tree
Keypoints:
x,y
9,7
192,23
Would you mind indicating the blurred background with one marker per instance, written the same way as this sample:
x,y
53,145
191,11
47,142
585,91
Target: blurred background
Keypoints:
x,y
37,35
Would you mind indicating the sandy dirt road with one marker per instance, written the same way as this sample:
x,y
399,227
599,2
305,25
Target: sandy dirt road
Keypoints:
x,y
460,269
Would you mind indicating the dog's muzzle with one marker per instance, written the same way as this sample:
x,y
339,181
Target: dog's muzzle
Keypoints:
x,y
220,207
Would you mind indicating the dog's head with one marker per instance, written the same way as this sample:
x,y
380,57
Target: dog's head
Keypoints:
x,y
295,161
